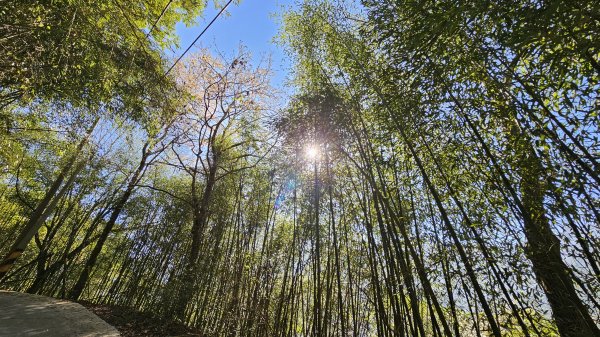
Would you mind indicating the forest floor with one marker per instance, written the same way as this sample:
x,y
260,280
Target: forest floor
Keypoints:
x,y
132,323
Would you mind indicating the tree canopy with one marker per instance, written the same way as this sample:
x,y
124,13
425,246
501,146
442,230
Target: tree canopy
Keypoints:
x,y
434,172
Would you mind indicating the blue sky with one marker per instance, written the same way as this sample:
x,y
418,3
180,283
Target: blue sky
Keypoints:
x,y
251,23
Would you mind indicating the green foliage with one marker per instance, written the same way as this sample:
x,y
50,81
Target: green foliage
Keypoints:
x,y
89,53
455,175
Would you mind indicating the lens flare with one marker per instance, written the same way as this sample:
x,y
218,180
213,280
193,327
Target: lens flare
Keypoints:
x,y
312,152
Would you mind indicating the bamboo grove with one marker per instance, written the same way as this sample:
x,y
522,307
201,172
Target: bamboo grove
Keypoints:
x,y
434,173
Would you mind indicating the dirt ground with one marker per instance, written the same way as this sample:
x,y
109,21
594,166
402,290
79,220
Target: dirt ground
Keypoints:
x,y
131,323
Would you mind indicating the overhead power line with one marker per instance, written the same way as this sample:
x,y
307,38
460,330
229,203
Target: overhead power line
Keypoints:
x,y
199,36
159,17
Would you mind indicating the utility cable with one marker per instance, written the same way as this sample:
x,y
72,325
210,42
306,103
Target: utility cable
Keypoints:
x,y
199,36
158,18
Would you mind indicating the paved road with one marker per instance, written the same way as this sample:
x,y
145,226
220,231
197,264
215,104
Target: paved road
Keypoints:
x,y
32,315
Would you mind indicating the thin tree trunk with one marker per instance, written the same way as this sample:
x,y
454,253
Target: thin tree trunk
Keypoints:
x,y
46,205
91,261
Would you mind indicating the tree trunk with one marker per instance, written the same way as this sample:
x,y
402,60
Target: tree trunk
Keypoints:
x,y
543,249
91,262
45,206
199,223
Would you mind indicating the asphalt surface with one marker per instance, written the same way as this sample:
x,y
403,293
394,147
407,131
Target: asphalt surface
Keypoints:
x,y
33,315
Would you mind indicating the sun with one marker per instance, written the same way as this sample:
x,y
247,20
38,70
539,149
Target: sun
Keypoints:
x,y
312,151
